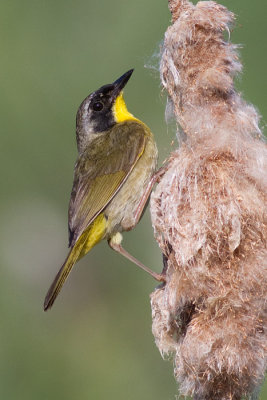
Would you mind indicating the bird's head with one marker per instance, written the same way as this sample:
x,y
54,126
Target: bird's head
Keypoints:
x,y
101,110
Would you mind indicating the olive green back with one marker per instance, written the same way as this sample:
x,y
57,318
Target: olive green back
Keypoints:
x,y
101,171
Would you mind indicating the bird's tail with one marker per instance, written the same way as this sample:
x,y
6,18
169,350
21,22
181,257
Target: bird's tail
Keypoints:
x,y
62,274
84,244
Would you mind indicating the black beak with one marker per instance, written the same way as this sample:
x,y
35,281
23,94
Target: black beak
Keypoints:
x,y
120,83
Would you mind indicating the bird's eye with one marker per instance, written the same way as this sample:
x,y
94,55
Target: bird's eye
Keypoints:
x,y
97,106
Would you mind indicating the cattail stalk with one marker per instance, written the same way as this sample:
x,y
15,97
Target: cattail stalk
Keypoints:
x,y
209,215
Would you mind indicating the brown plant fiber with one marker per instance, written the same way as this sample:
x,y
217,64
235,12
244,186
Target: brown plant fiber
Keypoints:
x,y
209,215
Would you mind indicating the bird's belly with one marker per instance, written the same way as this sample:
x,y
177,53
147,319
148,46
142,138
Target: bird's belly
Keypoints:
x,y
120,212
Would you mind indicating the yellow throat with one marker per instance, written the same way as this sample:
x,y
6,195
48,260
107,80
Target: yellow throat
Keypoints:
x,y
120,110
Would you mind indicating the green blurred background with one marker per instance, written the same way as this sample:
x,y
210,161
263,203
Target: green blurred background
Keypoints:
x,y
96,342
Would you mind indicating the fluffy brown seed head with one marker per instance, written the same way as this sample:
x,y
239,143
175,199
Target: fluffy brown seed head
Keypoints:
x,y
209,215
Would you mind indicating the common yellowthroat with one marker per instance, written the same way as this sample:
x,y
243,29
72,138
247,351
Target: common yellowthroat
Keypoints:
x,y
113,178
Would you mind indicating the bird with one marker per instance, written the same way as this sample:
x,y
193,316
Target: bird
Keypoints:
x,y
113,177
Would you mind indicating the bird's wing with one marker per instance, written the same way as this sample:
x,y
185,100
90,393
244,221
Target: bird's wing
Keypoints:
x,y
100,172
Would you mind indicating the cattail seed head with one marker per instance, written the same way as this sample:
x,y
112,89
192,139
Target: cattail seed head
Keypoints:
x,y
209,215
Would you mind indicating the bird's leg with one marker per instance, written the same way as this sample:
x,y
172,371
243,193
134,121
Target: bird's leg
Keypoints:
x,y
115,244
115,241
142,203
